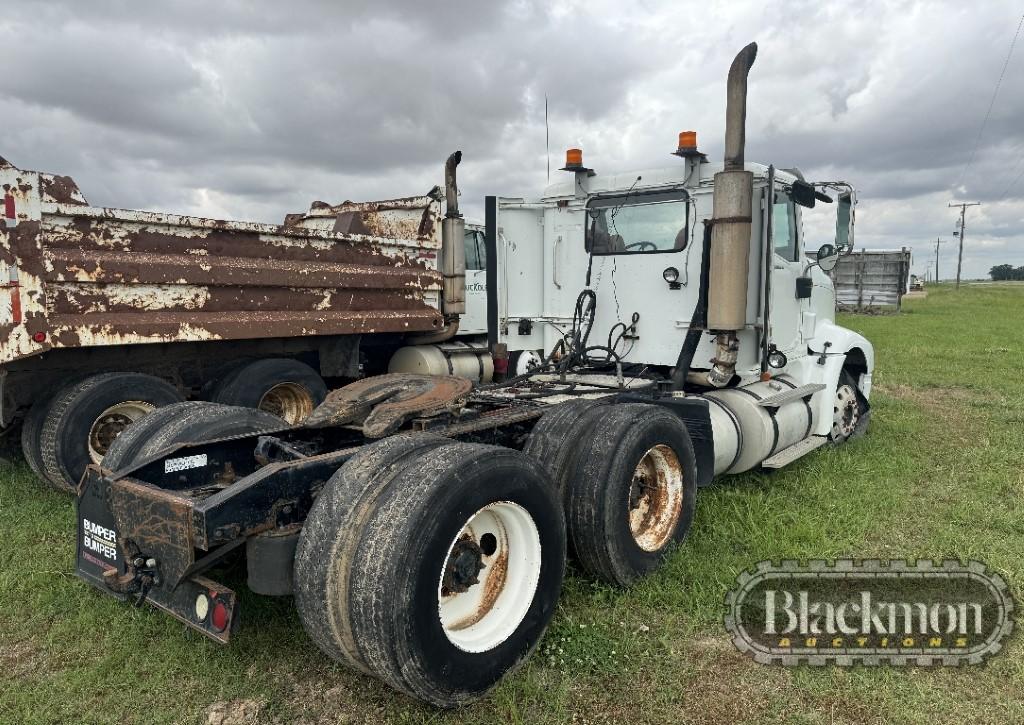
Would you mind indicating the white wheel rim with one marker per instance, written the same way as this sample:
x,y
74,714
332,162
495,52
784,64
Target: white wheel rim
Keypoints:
x,y
109,424
655,499
528,360
845,415
502,538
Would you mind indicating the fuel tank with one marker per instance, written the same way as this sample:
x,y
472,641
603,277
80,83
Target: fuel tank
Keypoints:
x,y
747,432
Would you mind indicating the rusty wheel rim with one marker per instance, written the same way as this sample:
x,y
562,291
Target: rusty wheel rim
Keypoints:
x,y
489,577
656,495
109,424
289,401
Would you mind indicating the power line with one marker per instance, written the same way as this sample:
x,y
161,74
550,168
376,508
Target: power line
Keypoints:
x,y
1012,184
992,103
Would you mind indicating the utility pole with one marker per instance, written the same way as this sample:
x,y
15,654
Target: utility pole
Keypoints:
x,y
937,243
963,228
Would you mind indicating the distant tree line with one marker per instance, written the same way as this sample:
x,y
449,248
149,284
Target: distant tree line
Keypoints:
x,y
1006,271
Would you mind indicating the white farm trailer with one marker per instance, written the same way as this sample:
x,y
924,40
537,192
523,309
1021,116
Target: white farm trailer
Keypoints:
x,y
653,329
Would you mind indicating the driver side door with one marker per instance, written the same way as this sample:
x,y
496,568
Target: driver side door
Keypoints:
x,y
787,265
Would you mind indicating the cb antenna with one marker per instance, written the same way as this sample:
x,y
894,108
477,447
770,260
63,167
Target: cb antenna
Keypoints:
x,y
547,136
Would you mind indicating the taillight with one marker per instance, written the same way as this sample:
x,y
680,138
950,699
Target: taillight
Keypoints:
x,y
39,337
219,617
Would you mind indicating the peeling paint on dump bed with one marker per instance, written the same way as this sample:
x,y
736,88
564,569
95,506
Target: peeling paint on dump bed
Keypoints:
x,y
89,276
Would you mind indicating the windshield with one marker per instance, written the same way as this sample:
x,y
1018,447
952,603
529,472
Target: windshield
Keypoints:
x,y
638,223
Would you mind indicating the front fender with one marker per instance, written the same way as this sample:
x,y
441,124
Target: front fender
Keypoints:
x,y
848,349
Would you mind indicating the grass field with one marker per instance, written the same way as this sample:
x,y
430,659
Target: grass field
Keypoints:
x,y
940,475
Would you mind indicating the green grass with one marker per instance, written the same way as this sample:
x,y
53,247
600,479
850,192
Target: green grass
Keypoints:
x,y
939,475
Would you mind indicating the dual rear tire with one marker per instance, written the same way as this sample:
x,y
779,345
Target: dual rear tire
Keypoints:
x,y
434,565
627,477
79,423
63,434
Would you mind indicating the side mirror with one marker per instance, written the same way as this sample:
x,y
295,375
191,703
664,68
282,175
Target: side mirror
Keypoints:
x,y
844,221
803,194
828,257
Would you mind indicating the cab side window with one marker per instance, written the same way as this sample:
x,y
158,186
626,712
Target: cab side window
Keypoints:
x,y
784,227
638,222
476,251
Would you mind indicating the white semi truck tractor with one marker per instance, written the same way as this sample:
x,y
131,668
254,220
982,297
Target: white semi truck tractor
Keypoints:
x,y
665,327
697,273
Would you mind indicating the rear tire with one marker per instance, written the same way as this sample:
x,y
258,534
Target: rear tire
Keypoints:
x,y
31,429
555,442
85,418
508,578
324,553
633,492
286,388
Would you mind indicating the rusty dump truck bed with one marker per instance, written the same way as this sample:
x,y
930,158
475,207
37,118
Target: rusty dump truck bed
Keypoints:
x,y
74,275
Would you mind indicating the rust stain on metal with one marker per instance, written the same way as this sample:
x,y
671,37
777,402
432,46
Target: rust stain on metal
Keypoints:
x,y
157,522
494,574
97,276
654,509
61,189
381,404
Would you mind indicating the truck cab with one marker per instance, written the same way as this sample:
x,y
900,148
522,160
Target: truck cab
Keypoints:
x,y
637,240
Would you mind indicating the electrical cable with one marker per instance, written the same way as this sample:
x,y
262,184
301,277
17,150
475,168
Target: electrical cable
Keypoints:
x,y
991,103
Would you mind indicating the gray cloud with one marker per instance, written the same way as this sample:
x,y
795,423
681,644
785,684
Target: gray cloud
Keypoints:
x,y
250,110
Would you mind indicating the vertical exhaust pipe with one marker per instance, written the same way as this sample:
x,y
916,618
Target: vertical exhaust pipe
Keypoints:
x,y
730,232
452,263
453,250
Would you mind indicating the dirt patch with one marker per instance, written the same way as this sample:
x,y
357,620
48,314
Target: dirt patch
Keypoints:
x,y
236,712
928,396
949,407
23,660
328,694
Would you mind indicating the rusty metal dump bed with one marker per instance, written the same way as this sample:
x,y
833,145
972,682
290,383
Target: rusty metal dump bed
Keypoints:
x,y
73,275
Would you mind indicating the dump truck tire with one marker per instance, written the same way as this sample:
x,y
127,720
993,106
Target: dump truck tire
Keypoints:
x,y
324,553
286,388
479,534
124,451
632,494
31,429
555,442
85,418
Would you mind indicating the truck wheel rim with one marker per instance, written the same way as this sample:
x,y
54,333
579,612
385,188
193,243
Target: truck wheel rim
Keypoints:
x,y
489,577
527,362
656,498
846,412
109,424
289,401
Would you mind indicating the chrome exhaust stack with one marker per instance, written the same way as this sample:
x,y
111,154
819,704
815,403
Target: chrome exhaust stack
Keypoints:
x,y
730,232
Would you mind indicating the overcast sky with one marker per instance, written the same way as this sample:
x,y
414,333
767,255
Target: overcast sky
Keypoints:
x,y
249,110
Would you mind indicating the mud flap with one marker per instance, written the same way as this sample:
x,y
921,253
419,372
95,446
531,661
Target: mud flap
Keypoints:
x,y
134,543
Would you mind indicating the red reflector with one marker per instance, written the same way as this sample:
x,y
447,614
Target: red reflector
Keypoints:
x,y
9,205
219,618
39,337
